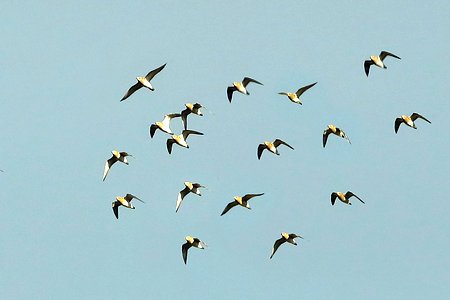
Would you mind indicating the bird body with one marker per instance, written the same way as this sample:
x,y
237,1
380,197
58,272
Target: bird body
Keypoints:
x,y
123,201
408,120
241,87
242,201
116,156
143,81
285,237
345,198
191,242
190,108
334,130
189,188
378,61
271,146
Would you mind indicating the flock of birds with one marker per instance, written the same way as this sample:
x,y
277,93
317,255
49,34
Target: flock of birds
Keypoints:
x,y
181,140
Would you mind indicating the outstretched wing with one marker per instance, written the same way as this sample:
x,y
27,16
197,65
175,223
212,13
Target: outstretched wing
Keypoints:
x,y
132,89
384,54
184,115
333,197
350,194
152,130
304,89
416,116
130,197
397,124
326,133
367,65
228,207
230,91
261,148
250,196
184,251
276,245
181,196
279,142
247,80
187,132
115,209
108,165
152,73
169,144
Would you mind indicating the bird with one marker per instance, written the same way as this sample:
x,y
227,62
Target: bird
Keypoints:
x,y
241,87
123,201
116,156
190,108
189,188
242,201
344,197
143,82
409,120
378,61
285,237
164,125
272,147
334,130
295,97
180,139
191,242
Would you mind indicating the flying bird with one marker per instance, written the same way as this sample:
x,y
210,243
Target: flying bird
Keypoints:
x,y
409,121
164,125
377,60
242,201
272,147
295,97
191,242
285,237
344,197
334,130
116,156
180,139
190,108
123,201
241,87
189,188
143,82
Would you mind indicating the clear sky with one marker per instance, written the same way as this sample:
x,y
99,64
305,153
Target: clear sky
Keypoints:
x,y
65,66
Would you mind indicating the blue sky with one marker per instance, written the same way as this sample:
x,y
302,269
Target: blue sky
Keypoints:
x,y
65,66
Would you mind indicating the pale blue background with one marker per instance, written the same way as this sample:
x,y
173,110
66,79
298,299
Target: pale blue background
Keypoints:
x,y
64,68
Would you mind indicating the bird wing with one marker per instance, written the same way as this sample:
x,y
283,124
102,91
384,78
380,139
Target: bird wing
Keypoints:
x,y
169,144
184,251
130,197
247,80
283,93
187,132
342,134
350,194
132,89
276,245
304,89
397,123
250,196
181,196
293,236
152,130
416,116
383,55
333,197
261,148
197,106
279,142
326,133
367,65
115,209
152,73
228,207
184,115
108,165
230,91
